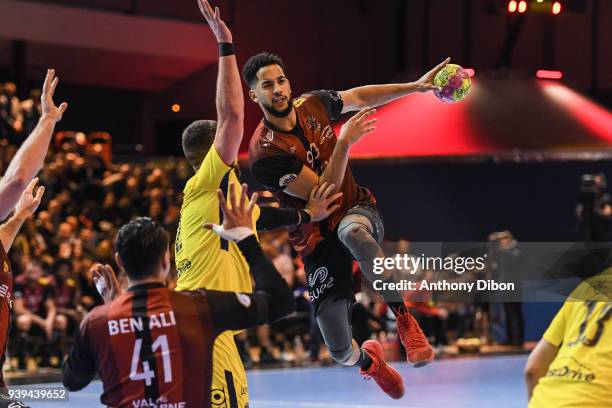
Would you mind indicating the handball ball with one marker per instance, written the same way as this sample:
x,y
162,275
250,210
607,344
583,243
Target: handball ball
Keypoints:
x,y
454,82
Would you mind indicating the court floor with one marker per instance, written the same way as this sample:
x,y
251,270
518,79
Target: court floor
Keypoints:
x,y
470,382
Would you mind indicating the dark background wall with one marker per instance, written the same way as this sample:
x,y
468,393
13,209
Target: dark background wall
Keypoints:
x,y
340,44
444,201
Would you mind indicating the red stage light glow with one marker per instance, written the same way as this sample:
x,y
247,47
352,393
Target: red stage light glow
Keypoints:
x,y
595,118
548,74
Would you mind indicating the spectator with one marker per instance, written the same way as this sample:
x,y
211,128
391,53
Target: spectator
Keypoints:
x,y
35,309
11,118
32,111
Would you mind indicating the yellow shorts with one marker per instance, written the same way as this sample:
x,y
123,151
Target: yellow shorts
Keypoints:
x,y
229,383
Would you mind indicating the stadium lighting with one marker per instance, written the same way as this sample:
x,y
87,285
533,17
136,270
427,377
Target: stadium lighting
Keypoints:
x,y
176,108
548,74
512,6
522,6
556,8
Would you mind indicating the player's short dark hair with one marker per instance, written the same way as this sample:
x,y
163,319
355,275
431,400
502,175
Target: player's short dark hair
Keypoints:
x,y
197,139
141,244
263,59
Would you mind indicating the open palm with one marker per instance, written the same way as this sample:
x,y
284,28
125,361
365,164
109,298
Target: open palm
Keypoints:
x,y
213,18
28,203
48,106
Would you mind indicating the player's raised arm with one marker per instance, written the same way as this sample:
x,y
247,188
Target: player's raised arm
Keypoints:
x,y
371,96
30,156
272,298
28,203
229,99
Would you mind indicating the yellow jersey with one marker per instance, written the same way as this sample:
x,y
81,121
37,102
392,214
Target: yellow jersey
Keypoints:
x,y
204,260
580,376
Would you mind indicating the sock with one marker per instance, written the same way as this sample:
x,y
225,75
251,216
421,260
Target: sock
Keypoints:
x,y
397,308
393,298
364,362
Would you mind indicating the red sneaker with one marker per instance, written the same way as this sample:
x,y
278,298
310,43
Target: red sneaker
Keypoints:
x,y
387,377
417,347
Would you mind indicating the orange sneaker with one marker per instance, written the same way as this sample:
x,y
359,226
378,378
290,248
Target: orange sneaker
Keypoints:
x,y
417,347
387,377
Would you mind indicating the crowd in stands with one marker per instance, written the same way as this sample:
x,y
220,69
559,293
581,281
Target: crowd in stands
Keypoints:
x,y
87,198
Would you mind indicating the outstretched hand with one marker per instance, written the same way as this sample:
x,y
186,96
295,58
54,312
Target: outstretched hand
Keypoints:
x,y
319,204
357,126
425,83
106,282
213,18
237,218
29,202
48,106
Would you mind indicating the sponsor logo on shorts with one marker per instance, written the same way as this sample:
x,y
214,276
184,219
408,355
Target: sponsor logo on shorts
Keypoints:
x,y
17,404
319,282
320,275
217,397
287,179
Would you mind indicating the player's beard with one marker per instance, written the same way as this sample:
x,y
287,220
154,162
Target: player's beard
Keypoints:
x,y
282,113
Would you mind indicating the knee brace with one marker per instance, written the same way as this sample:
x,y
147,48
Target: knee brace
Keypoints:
x,y
355,231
